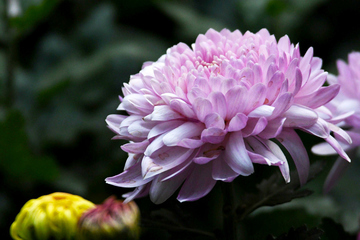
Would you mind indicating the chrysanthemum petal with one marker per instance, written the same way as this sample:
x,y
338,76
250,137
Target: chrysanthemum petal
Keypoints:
x,y
214,120
297,116
281,104
332,141
235,99
318,98
163,113
202,108
222,171
260,148
113,121
320,128
163,127
262,111
213,135
337,170
131,177
135,147
218,103
137,193
197,184
160,190
186,130
254,127
293,144
236,155
238,122
165,159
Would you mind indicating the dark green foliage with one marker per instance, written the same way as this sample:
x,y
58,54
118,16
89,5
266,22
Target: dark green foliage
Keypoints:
x,y
18,160
71,59
300,233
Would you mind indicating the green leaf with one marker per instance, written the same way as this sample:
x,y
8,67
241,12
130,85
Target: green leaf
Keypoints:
x,y
274,191
191,22
33,14
300,233
17,160
334,231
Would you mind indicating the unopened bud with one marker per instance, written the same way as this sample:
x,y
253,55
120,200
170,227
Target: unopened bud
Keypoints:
x,y
111,220
53,216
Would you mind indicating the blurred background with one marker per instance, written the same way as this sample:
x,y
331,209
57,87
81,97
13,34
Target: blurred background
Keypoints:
x,y
62,66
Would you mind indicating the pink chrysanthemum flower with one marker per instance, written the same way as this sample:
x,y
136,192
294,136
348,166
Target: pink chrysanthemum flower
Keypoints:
x,y
209,112
345,106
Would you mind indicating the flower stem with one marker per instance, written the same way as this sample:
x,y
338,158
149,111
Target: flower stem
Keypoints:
x,y
230,228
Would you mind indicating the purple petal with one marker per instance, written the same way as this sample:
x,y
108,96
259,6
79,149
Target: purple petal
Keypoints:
x,y
298,116
140,128
306,59
155,145
182,107
337,171
129,178
298,81
319,129
214,120
160,191
195,93
139,192
318,98
273,128
136,104
213,135
148,166
190,143
256,97
285,171
261,111
339,133
323,149
198,184
135,147
163,127
291,71
208,152
261,147
114,120
293,144
281,104
236,155
254,126
274,87
219,103
238,122
202,108
166,158
186,130
332,141
313,84
236,99
163,113
227,84
132,160
257,158
221,170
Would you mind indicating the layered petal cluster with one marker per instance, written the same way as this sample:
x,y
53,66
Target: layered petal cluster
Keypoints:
x,y
344,112
53,216
208,112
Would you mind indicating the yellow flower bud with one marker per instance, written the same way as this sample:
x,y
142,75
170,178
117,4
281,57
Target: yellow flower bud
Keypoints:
x,y
111,220
53,216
